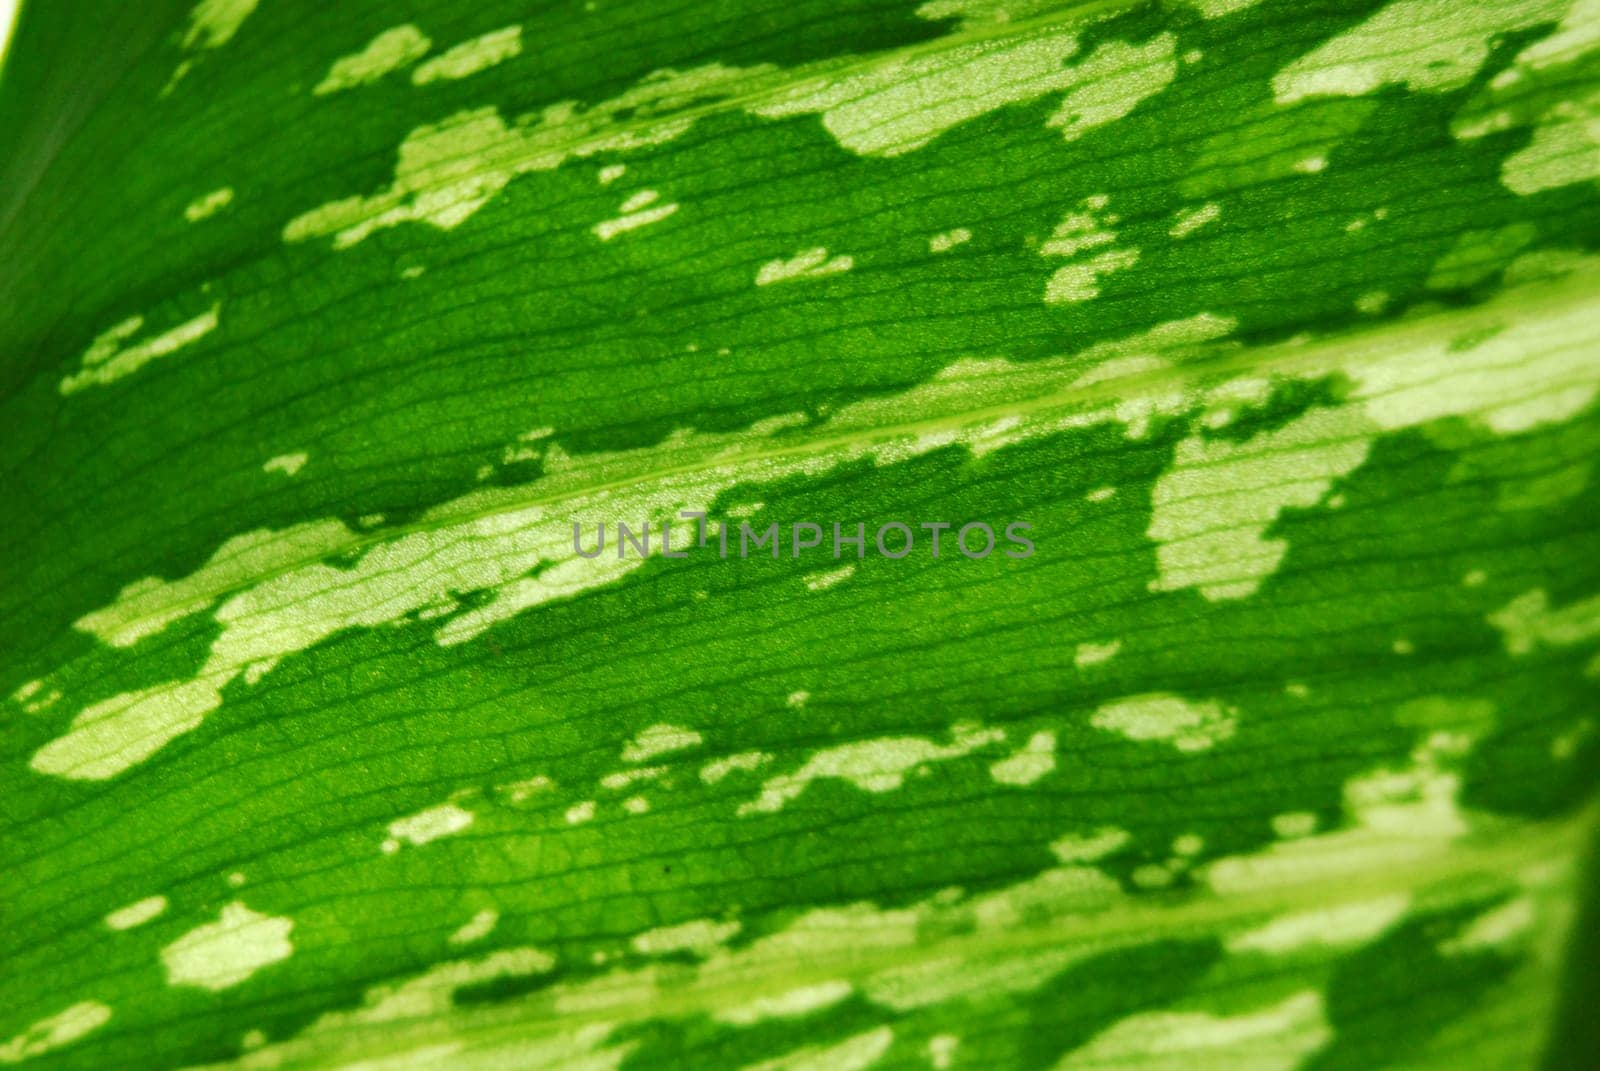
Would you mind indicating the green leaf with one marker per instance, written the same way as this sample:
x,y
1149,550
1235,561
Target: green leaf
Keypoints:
x,y
1268,743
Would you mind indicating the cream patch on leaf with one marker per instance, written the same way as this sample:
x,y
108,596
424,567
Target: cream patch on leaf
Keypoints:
x,y
470,57
1213,507
1187,725
108,360
811,264
288,464
222,954
701,936
1427,45
137,913
1036,759
1274,1038
659,740
208,205
445,820
476,928
55,1031
879,765
389,51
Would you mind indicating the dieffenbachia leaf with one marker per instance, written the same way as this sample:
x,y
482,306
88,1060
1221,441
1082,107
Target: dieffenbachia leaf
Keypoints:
x,y
323,325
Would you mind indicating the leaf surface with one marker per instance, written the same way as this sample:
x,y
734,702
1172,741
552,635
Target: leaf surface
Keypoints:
x,y
324,325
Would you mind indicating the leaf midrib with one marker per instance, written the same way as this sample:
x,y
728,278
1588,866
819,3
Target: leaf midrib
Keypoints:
x,y
1214,361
